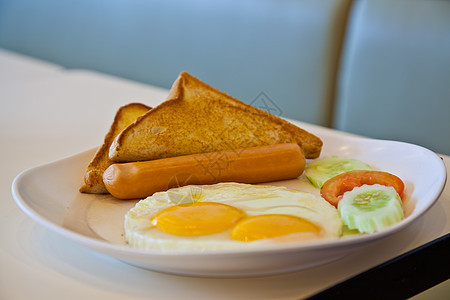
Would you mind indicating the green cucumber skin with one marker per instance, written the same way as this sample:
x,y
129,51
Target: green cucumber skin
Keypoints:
x,y
371,215
319,171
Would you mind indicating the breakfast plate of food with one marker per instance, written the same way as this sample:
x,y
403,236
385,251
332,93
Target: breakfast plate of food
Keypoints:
x,y
206,185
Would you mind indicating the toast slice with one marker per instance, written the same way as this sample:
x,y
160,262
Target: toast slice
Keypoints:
x,y
93,178
197,118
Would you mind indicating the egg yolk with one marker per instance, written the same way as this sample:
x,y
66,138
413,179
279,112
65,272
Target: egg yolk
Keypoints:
x,y
269,226
198,218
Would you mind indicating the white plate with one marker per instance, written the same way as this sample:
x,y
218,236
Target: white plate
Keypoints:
x,y
49,194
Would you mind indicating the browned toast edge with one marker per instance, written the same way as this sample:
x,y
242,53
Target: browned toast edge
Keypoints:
x,y
91,171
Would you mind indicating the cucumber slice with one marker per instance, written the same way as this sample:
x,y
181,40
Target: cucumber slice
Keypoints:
x,y
371,208
321,170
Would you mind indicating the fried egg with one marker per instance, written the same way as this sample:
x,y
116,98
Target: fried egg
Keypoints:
x,y
229,215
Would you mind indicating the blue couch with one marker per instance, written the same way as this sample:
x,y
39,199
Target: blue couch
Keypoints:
x,y
379,68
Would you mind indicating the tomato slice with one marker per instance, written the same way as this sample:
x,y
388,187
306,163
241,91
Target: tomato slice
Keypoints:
x,y
333,189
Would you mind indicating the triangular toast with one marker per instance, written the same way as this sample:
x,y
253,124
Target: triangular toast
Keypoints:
x,y
197,118
93,178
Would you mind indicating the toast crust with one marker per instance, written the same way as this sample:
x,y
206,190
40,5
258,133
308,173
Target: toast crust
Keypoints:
x,y
93,178
197,118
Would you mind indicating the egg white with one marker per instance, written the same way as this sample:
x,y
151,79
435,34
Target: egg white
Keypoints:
x,y
252,199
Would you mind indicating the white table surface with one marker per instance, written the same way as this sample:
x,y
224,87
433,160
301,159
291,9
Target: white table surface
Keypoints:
x,y
48,113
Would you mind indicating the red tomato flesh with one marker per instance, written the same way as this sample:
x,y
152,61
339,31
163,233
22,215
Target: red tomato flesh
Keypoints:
x,y
333,189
